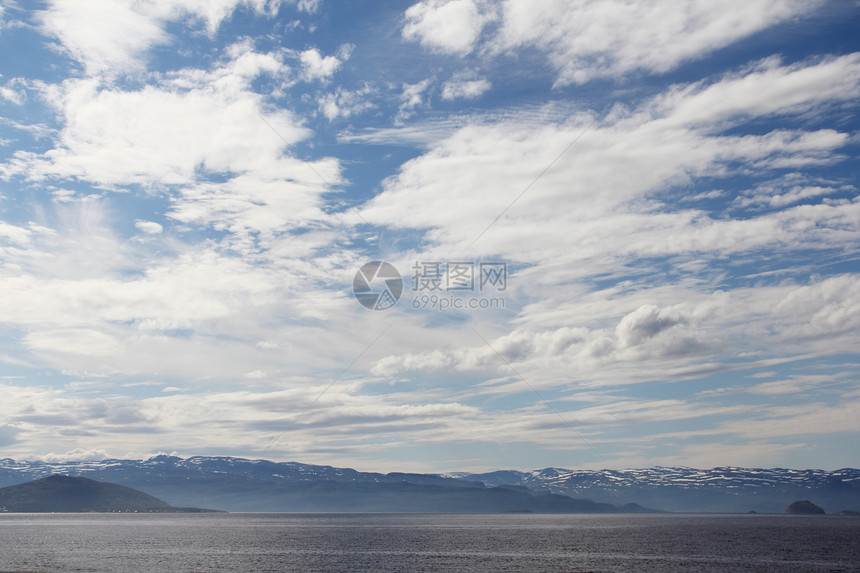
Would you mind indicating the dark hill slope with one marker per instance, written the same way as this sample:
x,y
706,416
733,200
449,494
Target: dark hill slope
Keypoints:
x,y
58,493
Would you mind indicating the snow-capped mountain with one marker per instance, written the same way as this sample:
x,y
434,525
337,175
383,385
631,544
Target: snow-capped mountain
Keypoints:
x,y
163,466
729,489
237,484
683,477
166,469
258,485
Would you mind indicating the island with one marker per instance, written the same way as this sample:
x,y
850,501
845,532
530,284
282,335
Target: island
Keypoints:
x,y
804,507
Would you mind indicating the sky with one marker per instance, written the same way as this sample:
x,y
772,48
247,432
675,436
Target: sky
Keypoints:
x,y
431,236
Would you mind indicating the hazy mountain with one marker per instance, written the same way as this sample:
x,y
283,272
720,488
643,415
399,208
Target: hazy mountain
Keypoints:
x,y
236,484
723,489
59,493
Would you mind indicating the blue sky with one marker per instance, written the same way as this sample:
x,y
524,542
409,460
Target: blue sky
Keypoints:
x,y
188,188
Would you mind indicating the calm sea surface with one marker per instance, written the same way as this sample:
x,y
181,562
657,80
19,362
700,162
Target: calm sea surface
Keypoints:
x,y
408,542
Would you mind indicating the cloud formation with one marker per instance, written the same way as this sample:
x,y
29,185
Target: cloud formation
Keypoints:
x,y
447,26
112,37
188,187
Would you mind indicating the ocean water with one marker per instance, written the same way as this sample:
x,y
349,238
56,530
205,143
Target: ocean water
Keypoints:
x,y
413,543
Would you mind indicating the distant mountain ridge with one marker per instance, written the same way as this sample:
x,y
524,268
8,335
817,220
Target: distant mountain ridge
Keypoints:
x,y
720,489
238,484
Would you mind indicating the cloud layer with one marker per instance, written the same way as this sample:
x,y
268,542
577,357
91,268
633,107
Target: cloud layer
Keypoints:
x,y
187,189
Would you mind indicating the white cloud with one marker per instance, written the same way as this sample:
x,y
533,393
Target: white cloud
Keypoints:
x,y
420,134
317,67
573,210
464,85
750,452
14,90
8,432
183,293
14,233
767,87
149,227
341,418
79,341
103,36
213,12
36,130
259,203
114,37
412,97
309,6
801,420
88,300
790,189
346,103
164,134
76,455
791,385
831,309
447,26
585,39
644,323
713,332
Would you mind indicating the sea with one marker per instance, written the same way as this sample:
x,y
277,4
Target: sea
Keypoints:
x,y
662,543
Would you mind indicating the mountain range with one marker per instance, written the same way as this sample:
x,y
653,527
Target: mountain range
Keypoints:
x,y
238,484
721,489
